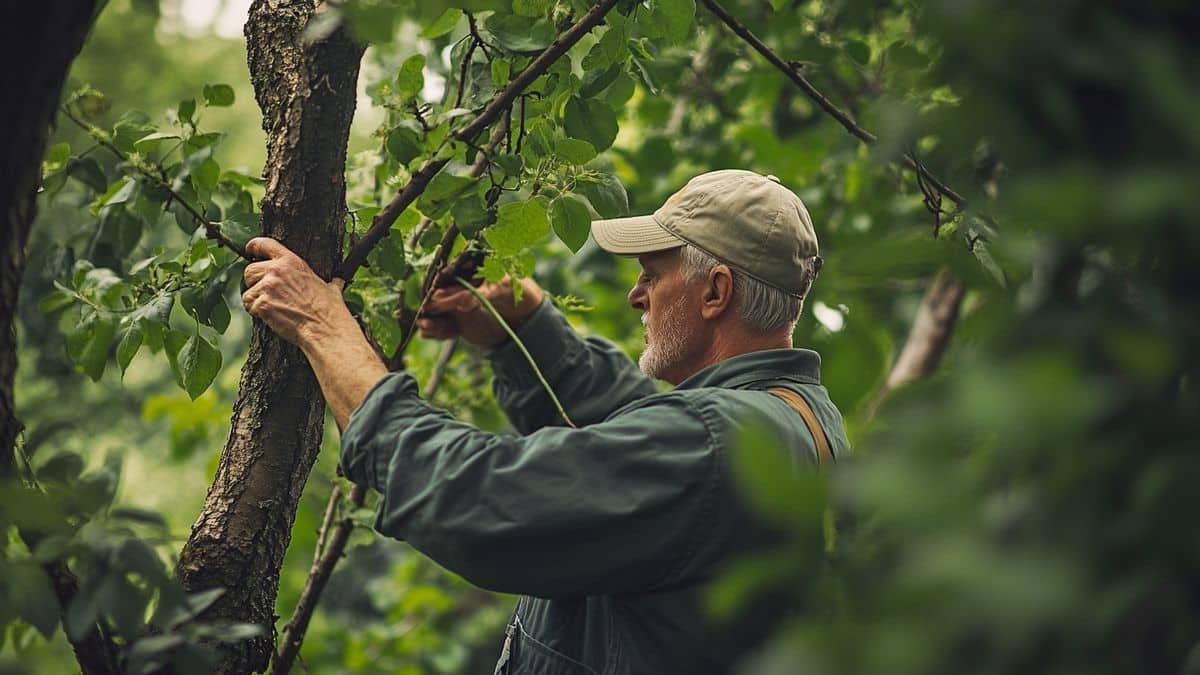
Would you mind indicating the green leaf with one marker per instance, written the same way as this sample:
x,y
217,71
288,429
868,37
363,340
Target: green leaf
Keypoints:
x,y
470,214
63,468
572,220
57,155
531,7
605,193
590,120
500,72
858,50
87,171
403,144
595,81
902,54
241,227
218,95
443,24
780,5
519,225
198,363
130,343
32,596
139,516
127,132
149,143
207,174
56,302
574,150
678,16
611,49
441,193
88,344
186,110
122,194
388,256
411,78
518,33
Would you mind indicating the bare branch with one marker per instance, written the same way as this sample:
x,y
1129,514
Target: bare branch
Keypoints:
x,y
823,101
928,338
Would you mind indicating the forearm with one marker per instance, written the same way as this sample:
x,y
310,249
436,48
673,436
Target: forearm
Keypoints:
x,y
345,364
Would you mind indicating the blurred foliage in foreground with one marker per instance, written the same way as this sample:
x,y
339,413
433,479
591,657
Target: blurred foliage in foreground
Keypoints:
x,y
1027,510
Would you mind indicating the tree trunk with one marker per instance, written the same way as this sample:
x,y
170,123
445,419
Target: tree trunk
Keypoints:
x,y
307,94
43,38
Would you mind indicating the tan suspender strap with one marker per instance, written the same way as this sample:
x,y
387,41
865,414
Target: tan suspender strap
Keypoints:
x,y
797,403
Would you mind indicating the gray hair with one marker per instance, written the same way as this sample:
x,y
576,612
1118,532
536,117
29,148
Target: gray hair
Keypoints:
x,y
763,308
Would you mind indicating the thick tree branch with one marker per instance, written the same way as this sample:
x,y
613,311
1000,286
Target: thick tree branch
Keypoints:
x,y
928,338
823,101
382,222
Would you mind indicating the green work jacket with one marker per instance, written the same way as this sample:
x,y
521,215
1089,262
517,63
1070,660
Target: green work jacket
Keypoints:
x,y
609,531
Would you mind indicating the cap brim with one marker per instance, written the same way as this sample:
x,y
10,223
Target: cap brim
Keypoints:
x,y
633,236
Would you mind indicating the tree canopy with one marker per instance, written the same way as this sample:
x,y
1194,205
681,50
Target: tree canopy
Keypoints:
x,y
1003,197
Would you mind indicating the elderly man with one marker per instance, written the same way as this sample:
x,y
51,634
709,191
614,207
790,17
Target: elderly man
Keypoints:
x,y
608,531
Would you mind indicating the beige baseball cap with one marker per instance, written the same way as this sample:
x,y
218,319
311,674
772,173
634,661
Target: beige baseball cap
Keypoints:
x,y
747,221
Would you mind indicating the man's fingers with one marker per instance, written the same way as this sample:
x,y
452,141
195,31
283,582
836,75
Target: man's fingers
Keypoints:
x,y
340,283
266,247
437,328
254,273
449,300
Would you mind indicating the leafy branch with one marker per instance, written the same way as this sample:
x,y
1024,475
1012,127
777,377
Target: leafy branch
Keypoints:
x,y
382,222
910,160
211,230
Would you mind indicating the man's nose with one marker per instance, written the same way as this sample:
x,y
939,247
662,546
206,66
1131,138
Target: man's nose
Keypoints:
x,y
637,297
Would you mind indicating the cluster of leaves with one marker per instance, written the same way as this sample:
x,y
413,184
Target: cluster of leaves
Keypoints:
x,y
64,515
116,293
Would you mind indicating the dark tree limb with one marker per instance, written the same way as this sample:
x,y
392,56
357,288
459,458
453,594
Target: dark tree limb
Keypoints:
x,y
823,101
382,222
928,338
307,94
44,38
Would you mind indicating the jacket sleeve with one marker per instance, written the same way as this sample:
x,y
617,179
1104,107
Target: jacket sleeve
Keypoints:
x,y
590,376
618,506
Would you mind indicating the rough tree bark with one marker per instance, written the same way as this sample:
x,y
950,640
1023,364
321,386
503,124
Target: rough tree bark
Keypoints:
x,y
307,94
43,38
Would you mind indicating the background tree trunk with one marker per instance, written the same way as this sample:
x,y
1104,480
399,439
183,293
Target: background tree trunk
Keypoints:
x,y
44,38
307,94
38,41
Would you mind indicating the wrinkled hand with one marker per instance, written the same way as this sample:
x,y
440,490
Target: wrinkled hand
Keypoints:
x,y
283,291
455,312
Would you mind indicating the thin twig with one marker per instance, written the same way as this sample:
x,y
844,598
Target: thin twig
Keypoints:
x,y
322,569
464,71
382,223
210,229
521,346
439,370
823,101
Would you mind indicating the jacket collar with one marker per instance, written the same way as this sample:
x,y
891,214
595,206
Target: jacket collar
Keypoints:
x,y
798,365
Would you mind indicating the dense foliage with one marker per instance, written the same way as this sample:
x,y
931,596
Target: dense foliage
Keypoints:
x,y
1026,509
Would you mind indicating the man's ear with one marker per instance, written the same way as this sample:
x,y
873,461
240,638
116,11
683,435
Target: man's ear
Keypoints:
x,y
718,292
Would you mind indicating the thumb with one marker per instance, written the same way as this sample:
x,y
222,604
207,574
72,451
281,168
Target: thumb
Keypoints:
x,y
340,283
266,248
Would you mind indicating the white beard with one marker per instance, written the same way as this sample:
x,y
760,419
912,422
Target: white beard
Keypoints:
x,y
668,344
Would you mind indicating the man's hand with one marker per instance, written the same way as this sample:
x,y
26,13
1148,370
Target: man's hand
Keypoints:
x,y
284,292
454,311
306,311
